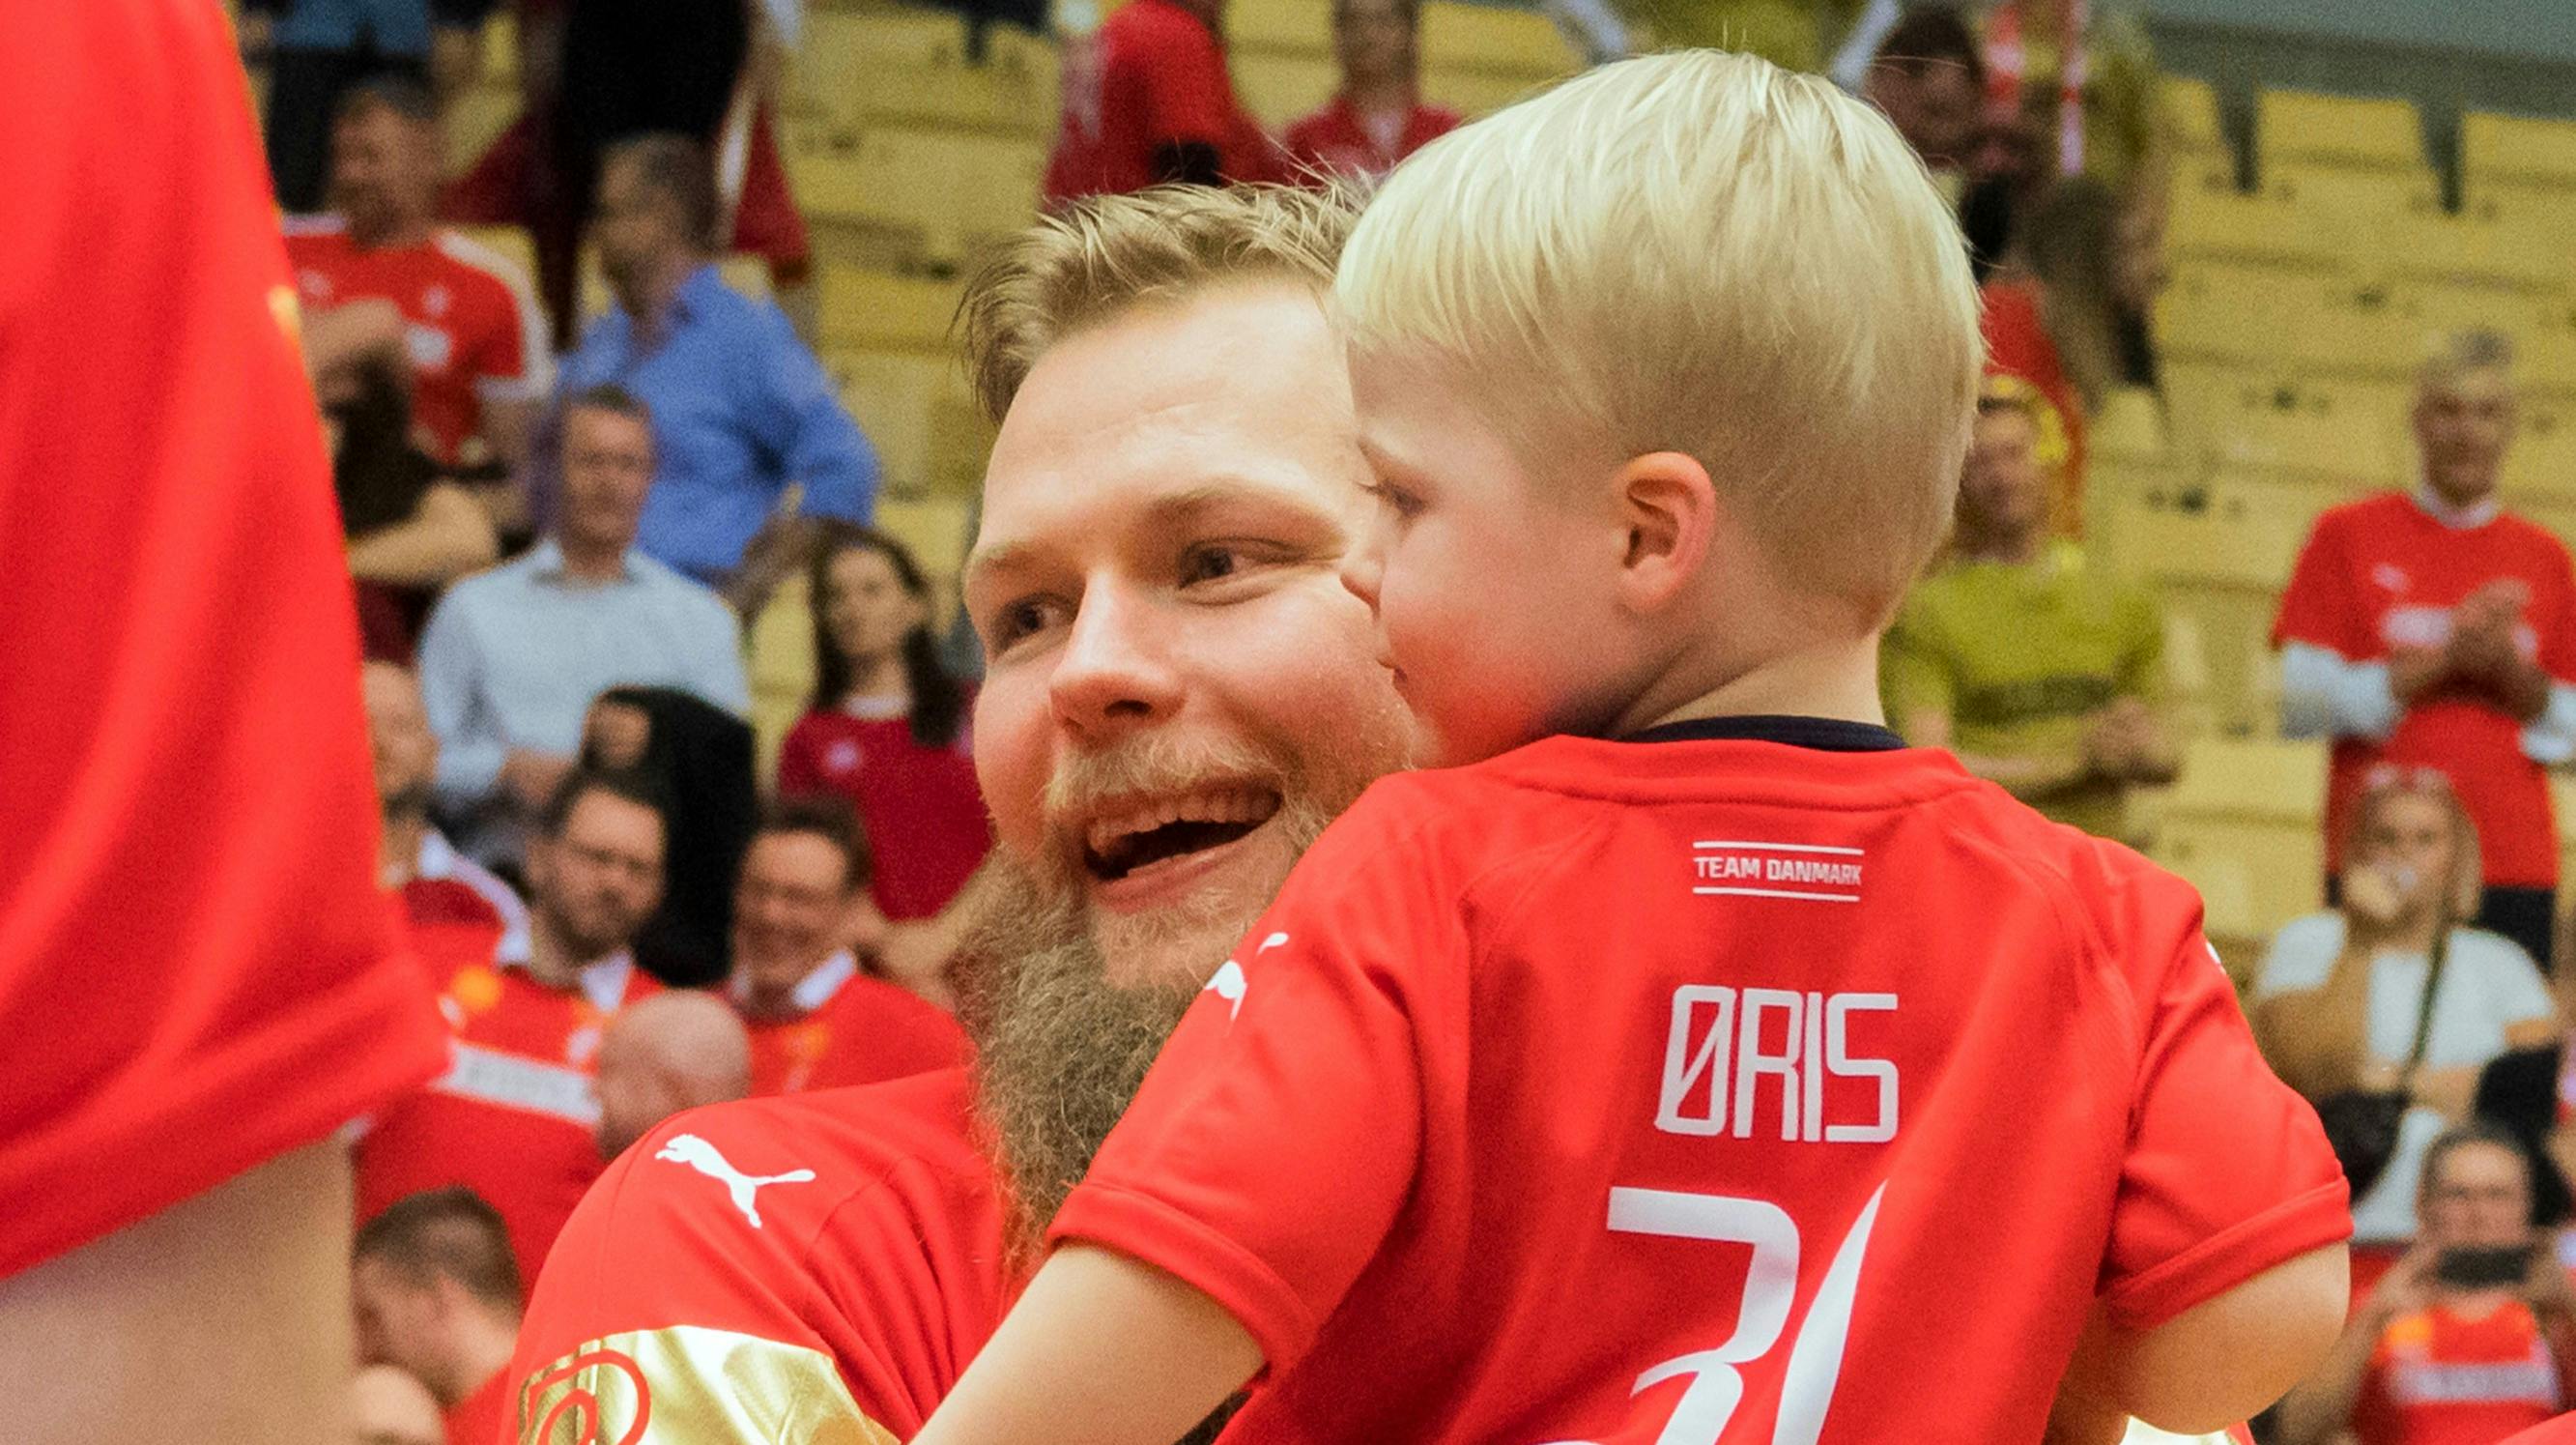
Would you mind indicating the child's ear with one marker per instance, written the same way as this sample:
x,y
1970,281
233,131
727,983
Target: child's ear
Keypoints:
x,y
1669,507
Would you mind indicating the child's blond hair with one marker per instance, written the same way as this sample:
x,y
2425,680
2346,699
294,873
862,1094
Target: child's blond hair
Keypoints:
x,y
1699,252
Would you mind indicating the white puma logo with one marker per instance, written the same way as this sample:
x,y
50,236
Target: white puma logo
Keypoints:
x,y
1228,984
700,1155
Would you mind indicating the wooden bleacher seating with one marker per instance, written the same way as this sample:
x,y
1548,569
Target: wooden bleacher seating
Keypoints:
x,y
2242,824
2296,126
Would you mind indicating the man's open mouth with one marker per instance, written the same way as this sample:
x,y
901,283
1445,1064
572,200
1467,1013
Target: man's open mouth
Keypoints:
x,y
1138,833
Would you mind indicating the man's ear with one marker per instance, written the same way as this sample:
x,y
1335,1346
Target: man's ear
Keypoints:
x,y
1669,507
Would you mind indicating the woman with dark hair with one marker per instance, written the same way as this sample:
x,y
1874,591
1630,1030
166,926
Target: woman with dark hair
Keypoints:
x,y
887,725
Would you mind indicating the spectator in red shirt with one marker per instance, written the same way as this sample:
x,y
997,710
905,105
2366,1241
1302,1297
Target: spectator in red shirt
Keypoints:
x,y
513,1117
436,1294
473,345
1147,99
817,1019
440,887
2471,1337
2432,629
673,1051
1378,118
887,725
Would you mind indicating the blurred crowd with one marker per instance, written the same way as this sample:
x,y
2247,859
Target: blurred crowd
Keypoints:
x,y
560,532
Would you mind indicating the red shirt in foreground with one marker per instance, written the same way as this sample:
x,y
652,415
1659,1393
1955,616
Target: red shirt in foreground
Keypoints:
x,y
471,329
2561,1431
2440,1379
924,816
853,1030
1338,141
1153,75
197,971
2383,573
1609,1088
845,1310
512,1118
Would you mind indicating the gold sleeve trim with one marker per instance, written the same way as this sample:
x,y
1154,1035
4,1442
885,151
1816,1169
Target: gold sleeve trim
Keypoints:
x,y
687,1385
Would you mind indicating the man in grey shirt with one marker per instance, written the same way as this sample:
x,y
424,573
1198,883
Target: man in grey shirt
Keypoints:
x,y
513,657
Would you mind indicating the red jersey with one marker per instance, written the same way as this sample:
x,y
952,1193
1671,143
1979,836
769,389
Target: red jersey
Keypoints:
x,y
924,816
196,966
512,1118
1521,1046
479,1418
2561,1431
2383,573
853,1029
2439,1379
1339,141
470,324
1153,75
823,1260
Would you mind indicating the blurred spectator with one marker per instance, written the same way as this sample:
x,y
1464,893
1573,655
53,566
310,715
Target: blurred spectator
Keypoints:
x,y
671,1052
513,1117
2531,1092
742,412
318,49
437,1295
886,728
2342,994
2470,1338
440,887
2073,320
1148,99
698,758
1790,33
1930,78
2112,128
1378,117
817,1019
2432,629
2042,674
409,530
512,658
387,1406
473,347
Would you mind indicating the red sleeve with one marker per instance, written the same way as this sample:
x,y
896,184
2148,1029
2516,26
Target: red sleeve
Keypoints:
x,y
2558,605
1188,96
2319,608
195,962
1277,1134
2227,1172
798,769
885,1031
838,1318
1303,143
502,354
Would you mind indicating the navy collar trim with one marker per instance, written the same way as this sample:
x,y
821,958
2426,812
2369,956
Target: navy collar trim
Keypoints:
x,y
1824,734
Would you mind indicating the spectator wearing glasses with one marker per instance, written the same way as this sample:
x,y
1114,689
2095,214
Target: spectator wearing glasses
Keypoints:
x,y
2431,627
2340,994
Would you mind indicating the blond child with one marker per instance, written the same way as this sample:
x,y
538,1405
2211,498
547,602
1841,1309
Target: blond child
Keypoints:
x,y
1687,1061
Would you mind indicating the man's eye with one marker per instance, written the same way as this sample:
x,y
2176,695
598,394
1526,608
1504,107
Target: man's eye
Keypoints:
x,y
1212,563
1016,620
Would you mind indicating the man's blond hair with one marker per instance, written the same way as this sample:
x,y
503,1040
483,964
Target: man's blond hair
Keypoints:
x,y
1105,254
1703,253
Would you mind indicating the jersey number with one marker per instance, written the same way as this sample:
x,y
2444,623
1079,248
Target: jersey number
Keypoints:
x,y
1770,1289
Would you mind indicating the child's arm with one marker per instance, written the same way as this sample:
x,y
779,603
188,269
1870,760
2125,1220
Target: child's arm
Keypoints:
x,y
1101,1350
2223,1360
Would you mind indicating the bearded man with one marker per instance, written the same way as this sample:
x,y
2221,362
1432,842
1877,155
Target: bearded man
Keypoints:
x,y
1180,695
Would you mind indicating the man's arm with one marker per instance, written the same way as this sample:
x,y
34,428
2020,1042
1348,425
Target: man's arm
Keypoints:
x,y
446,537
1101,1350
804,423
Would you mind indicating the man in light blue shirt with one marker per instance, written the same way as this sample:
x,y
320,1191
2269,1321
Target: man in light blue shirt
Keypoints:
x,y
741,409
513,657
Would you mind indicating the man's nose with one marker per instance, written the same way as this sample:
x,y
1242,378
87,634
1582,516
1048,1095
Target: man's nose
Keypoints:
x,y
1115,672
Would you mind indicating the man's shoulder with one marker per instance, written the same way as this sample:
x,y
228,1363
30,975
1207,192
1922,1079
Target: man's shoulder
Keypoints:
x,y
494,586
2372,514
480,264
2530,534
1140,31
681,590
